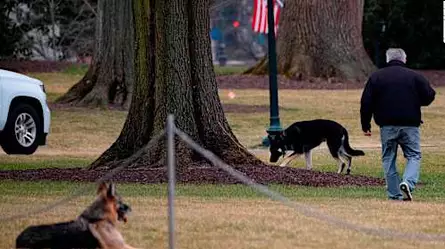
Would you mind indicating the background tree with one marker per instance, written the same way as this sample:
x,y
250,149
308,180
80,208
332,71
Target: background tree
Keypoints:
x,y
11,31
76,20
415,26
46,29
174,74
110,76
321,39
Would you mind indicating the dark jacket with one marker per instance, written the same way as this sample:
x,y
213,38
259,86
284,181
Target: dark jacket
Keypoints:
x,y
394,95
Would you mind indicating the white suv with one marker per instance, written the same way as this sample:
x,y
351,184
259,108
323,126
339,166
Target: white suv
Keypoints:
x,y
24,113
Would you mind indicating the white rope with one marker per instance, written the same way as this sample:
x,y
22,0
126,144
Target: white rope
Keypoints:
x,y
81,191
302,208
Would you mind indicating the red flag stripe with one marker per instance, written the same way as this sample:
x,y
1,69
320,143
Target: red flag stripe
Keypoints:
x,y
263,26
259,17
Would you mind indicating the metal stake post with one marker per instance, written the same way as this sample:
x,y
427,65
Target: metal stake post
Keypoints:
x,y
171,179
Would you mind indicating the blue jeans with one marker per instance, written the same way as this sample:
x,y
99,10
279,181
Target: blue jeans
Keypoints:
x,y
409,140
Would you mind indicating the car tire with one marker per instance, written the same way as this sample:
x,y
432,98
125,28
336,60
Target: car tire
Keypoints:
x,y
23,130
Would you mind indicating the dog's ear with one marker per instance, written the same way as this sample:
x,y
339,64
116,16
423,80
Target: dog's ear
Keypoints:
x,y
102,189
111,192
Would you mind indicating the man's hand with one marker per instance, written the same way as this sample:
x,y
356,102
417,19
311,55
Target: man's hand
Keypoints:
x,y
367,133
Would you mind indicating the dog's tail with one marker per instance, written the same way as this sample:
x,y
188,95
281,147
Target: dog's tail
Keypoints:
x,y
348,148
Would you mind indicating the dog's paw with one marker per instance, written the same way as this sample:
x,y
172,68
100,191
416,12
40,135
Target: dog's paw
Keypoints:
x,y
341,168
348,171
283,164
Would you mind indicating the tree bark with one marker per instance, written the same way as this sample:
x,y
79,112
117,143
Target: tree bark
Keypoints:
x,y
174,74
110,77
319,38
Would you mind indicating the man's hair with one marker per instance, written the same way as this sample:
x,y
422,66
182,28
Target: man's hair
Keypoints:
x,y
395,54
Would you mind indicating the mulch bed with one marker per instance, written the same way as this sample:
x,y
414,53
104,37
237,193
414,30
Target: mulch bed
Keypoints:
x,y
200,175
436,78
25,66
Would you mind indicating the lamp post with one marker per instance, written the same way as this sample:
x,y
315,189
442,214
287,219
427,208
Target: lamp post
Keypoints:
x,y
275,125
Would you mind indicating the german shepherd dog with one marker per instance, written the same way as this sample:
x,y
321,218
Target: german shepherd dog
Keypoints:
x,y
94,228
301,137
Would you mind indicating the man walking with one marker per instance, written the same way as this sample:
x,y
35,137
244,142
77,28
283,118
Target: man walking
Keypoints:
x,y
394,96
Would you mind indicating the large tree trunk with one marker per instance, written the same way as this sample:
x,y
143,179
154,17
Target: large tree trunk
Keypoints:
x,y
174,74
319,38
110,77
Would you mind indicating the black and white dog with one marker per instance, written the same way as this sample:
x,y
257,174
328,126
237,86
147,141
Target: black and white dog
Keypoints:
x,y
301,137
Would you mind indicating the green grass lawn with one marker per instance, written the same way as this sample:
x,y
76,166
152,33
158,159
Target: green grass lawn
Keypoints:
x,y
235,216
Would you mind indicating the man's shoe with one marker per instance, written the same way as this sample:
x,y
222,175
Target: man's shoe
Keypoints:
x,y
406,191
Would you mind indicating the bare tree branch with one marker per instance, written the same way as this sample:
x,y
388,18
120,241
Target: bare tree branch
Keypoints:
x,y
91,7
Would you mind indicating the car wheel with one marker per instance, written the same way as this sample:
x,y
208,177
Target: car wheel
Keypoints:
x,y
22,132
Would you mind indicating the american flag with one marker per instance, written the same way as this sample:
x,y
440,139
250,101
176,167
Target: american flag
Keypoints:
x,y
259,17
